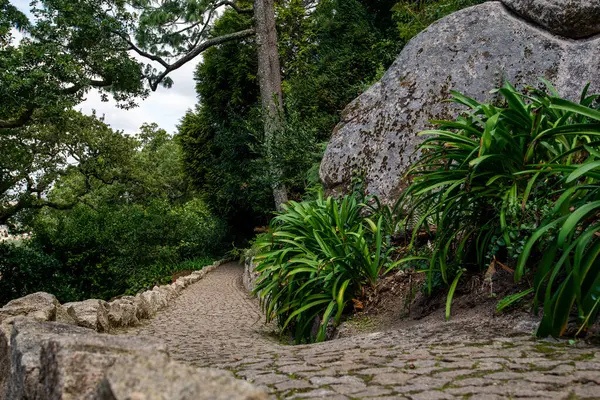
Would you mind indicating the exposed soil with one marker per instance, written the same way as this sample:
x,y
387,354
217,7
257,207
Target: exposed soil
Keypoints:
x,y
399,302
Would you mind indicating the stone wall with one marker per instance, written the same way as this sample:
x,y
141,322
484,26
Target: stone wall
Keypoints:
x,y
51,351
250,275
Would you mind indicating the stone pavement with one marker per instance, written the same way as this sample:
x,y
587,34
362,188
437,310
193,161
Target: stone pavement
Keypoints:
x,y
215,323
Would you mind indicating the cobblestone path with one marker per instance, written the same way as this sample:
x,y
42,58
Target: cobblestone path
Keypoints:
x,y
214,323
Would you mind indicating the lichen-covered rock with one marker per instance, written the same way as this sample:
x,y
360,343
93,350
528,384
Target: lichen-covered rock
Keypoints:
x,y
90,314
53,361
169,292
471,51
71,367
200,274
154,299
122,312
63,316
570,18
250,275
20,358
40,306
142,306
189,279
5,361
151,378
178,285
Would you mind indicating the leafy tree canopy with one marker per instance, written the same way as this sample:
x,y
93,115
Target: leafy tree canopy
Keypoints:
x,y
35,156
122,48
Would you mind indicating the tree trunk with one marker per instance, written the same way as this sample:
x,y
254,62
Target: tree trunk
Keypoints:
x,y
269,80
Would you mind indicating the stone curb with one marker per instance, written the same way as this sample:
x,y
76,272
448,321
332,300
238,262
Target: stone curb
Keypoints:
x,y
100,315
250,275
43,354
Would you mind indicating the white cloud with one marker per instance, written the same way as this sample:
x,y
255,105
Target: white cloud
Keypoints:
x,y
166,107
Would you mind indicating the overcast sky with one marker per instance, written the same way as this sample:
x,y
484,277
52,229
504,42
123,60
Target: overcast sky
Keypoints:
x,y
166,107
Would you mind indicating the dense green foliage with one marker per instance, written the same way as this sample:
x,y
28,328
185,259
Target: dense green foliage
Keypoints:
x,y
328,56
330,53
315,258
412,16
515,180
119,237
36,156
111,249
569,236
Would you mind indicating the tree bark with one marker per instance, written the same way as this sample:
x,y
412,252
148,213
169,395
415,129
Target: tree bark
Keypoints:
x,y
269,80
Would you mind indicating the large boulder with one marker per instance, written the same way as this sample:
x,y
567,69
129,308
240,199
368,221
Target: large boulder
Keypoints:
x,y
20,356
471,51
53,361
154,378
571,18
40,306
90,314
72,367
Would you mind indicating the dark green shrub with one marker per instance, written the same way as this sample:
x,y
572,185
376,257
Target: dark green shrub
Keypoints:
x,y
104,249
412,16
315,258
25,269
161,273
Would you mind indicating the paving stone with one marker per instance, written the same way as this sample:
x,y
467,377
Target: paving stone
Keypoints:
x,y
472,382
585,365
349,389
430,382
589,391
431,395
586,377
372,392
538,377
215,323
454,373
375,371
293,384
318,393
393,378
330,380
290,369
270,379
504,376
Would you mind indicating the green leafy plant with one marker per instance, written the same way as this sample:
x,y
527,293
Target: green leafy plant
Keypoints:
x,y
568,239
484,181
316,257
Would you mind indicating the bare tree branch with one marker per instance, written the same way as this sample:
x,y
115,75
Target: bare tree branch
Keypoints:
x,y
141,52
31,201
94,83
154,82
20,121
235,7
